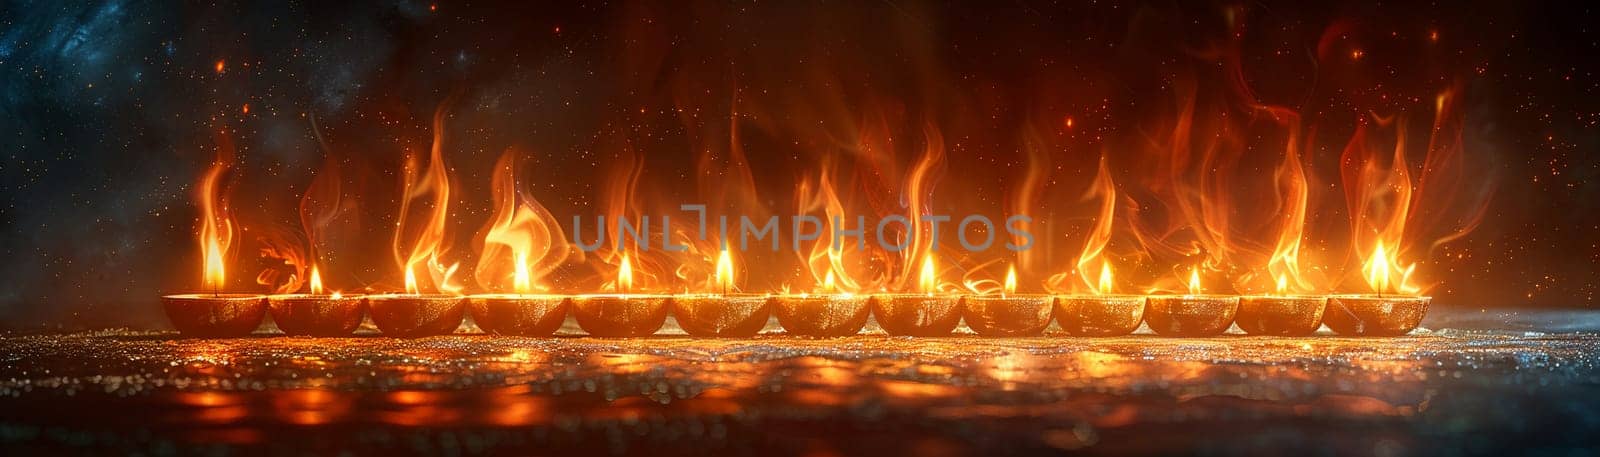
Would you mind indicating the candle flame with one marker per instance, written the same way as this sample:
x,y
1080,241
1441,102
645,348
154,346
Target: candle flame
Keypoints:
x,y
1384,273
1094,247
928,281
216,227
1194,281
316,280
724,271
215,276
827,283
1105,279
1283,284
1011,280
625,275
521,242
411,281
422,228
522,280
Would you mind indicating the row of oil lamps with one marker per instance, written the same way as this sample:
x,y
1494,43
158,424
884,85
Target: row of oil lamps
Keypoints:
x,y
743,315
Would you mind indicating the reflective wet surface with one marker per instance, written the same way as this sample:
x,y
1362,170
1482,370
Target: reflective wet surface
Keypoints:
x,y
1467,383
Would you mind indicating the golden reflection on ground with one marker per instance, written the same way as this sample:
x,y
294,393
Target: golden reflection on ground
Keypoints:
x,y
1066,392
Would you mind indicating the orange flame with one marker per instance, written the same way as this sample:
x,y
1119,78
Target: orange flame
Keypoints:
x,y
423,244
1194,281
1094,247
625,275
1011,280
928,280
1384,274
1284,263
522,240
822,259
216,223
1106,286
725,271
316,280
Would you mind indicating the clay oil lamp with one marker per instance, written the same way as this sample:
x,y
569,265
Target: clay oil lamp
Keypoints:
x,y
1009,313
828,313
1394,309
1281,313
316,313
1194,314
414,314
919,314
621,314
722,314
522,313
214,314
1102,314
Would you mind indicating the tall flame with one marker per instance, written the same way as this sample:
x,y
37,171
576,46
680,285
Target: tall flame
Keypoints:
x,y
1194,281
522,279
928,280
423,244
316,281
1290,180
725,271
1106,286
625,275
1387,208
823,260
1094,246
216,224
411,281
522,240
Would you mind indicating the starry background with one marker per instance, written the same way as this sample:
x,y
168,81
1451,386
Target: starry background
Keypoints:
x,y
110,110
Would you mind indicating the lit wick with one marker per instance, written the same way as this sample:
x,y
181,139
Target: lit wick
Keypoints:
x,y
1101,312
1194,314
1281,312
1395,308
919,314
723,314
316,313
1009,314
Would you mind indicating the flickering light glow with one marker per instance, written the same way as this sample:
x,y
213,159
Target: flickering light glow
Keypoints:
x,y
522,280
928,281
216,228
1194,281
1283,284
625,275
411,281
1105,286
1384,274
1011,280
724,271
316,281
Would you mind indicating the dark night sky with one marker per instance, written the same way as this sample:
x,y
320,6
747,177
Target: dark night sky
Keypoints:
x,y
109,111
